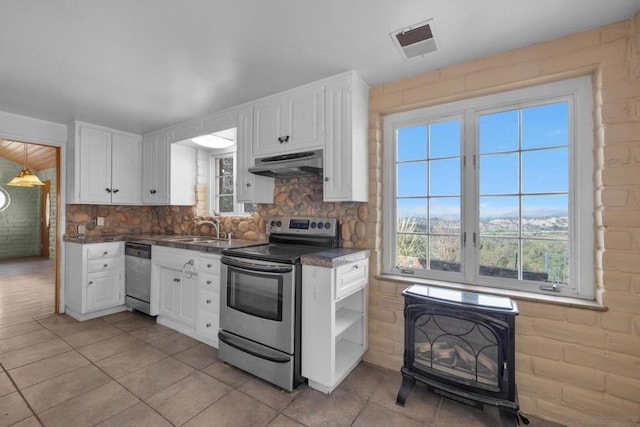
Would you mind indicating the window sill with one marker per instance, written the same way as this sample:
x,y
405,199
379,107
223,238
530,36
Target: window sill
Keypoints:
x,y
518,295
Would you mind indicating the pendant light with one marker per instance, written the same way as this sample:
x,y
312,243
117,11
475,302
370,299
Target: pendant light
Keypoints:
x,y
25,178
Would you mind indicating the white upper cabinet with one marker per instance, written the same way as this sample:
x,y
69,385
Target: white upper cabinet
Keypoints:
x,y
250,188
345,155
103,165
289,122
155,169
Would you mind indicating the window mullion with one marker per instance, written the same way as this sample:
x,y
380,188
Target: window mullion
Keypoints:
x,y
470,195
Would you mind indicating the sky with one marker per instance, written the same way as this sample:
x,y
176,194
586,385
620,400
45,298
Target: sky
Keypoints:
x,y
522,157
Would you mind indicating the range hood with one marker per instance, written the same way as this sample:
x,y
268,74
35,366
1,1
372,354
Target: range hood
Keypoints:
x,y
289,165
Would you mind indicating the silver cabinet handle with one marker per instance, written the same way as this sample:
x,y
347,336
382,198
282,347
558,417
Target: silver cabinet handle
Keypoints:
x,y
105,253
208,325
105,266
208,282
91,282
208,265
355,267
208,301
248,184
326,179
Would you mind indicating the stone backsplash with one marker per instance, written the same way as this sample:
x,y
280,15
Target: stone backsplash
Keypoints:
x,y
301,196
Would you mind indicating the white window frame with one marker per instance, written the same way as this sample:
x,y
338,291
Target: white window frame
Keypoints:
x,y
578,92
238,208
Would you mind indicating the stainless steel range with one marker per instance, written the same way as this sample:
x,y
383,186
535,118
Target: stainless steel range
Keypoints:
x,y
260,298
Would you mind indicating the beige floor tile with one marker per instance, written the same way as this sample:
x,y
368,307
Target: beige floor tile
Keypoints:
x,y
90,408
129,361
199,356
186,398
28,422
363,380
20,329
313,408
33,353
63,326
272,396
59,389
93,334
152,333
25,340
42,370
284,421
136,321
452,413
109,347
228,374
235,409
6,386
156,377
120,316
13,409
174,343
138,415
422,405
375,415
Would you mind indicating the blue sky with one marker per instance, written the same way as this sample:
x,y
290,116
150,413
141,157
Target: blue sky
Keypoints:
x,y
433,151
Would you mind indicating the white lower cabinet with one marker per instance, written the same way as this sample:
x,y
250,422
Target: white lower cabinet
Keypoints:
x,y
178,297
334,322
208,299
94,279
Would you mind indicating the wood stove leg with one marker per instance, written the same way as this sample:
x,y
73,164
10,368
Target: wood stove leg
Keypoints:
x,y
509,418
405,389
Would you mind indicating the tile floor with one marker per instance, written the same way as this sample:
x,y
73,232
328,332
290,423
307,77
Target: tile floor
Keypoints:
x,y
126,370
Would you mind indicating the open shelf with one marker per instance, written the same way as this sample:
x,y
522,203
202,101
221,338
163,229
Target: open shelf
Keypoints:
x,y
348,353
345,318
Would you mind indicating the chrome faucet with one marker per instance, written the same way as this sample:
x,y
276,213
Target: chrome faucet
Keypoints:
x,y
215,223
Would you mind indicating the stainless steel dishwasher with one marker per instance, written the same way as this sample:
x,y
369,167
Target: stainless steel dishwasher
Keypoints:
x,y
138,276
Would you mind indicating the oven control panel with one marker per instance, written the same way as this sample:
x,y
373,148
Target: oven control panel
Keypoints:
x,y
303,225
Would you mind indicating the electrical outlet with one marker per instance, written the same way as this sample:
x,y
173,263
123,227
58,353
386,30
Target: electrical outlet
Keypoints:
x,y
100,221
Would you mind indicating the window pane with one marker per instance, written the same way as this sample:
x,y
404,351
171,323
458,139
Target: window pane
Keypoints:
x,y
412,215
545,261
411,251
499,216
250,207
226,204
545,125
545,216
545,171
444,215
498,132
499,174
225,185
226,166
499,257
444,139
444,253
412,143
412,179
444,177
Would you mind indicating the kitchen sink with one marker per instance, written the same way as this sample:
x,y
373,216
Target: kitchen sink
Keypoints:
x,y
192,239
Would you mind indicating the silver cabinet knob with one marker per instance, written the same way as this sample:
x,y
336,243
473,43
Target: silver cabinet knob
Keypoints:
x,y
208,282
326,179
208,301
208,325
248,184
209,265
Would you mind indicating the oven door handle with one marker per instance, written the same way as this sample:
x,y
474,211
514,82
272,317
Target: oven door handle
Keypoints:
x,y
229,340
263,268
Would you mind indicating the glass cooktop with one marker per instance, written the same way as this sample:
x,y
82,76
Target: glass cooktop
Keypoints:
x,y
288,254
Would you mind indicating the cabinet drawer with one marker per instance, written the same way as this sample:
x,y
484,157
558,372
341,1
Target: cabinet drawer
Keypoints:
x,y
208,325
104,250
106,264
210,283
209,302
351,277
210,265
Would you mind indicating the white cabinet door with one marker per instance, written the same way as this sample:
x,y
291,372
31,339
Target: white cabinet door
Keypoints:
x,y
95,165
250,188
289,123
178,296
168,293
155,169
125,169
187,306
104,290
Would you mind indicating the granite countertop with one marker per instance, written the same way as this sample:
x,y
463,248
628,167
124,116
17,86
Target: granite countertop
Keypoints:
x,y
331,258
169,240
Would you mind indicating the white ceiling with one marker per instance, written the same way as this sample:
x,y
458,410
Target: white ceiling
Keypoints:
x,y
141,65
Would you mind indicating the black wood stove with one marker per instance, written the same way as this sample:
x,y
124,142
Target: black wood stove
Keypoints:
x,y
462,346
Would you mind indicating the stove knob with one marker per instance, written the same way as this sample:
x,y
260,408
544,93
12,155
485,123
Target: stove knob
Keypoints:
x,y
273,223
313,225
320,225
327,225
279,223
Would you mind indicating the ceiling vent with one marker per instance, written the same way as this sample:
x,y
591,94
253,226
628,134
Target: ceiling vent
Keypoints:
x,y
415,40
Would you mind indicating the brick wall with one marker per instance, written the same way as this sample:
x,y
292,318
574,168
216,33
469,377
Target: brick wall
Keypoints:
x,y
574,366
20,222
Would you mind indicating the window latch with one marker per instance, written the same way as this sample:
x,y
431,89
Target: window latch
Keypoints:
x,y
405,270
553,288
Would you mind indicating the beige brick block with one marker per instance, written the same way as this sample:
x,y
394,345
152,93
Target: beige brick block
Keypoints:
x,y
621,218
605,360
488,62
609,52
623,343
624,387
391,331
617,155
524,363
380,344
613,71
619,30
623,301
617,240
595,404
538,387
503,75
615,197
383,360
540,347
436,92
541,310
525,326
616,321
394,303
619,111
582,316
382,314
619,89
385,103
621,175
571,333
528,404
411,82
376,91
579,376
562,414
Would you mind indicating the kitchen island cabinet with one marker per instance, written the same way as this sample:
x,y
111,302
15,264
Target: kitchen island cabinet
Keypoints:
x,y
334,322
94,279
